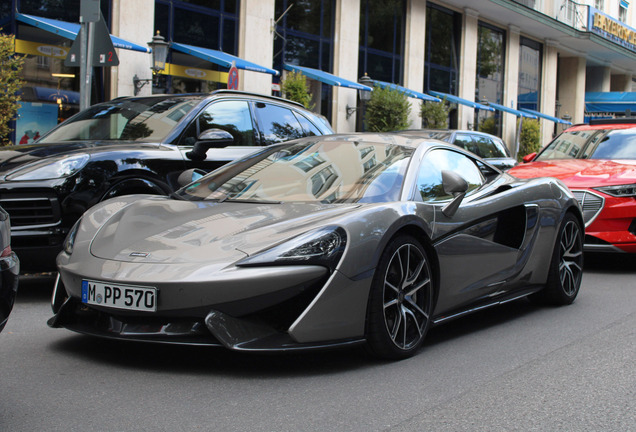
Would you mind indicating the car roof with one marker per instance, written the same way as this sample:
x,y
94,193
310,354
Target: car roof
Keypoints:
x,y
603,124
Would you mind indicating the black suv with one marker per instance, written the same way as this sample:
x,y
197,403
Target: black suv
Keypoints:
x,y
489,147
132,145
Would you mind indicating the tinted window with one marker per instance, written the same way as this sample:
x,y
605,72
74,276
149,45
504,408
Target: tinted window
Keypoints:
x,y
617,144
308,127
326,171
277,124
139,119
429,180
232,116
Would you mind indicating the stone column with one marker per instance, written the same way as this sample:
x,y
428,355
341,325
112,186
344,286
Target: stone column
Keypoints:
x,y
572,87
134,21
547,104
256,41
468,67
414,50
511,88
345,62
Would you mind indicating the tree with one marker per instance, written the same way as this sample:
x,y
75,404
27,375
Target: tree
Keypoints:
x,y
530,139
387,110
10,83
295,89
434,115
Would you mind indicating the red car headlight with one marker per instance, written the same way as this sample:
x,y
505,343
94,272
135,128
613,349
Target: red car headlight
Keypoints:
x,y
628,190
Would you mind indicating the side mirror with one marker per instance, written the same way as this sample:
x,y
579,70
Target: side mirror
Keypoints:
x,y
455,185
211,138
189,176
529,157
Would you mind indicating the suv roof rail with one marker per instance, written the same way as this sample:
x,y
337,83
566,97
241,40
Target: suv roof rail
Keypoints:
x,y
240,92
619,120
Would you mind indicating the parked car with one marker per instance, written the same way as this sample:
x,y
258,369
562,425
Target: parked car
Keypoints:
x,y
9,270
597,161
489,147
132,145
318,243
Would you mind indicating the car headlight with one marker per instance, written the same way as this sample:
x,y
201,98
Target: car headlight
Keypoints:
x,y
628,190
50,168
323,246
69,242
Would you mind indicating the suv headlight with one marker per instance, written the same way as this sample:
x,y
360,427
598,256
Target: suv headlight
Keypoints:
x,y
50,168
620,191
323,246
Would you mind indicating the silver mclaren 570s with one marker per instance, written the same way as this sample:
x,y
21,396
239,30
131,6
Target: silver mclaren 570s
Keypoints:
x,y
320,242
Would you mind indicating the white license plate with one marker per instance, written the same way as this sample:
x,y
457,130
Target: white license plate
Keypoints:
x,y
128,297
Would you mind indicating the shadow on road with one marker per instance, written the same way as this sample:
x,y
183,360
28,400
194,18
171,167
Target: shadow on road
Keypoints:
x,y
610,262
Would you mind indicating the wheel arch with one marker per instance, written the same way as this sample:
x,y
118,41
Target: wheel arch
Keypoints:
x,y
416,228
136,185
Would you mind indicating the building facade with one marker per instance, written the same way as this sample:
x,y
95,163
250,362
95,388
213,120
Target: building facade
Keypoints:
x,y
494,59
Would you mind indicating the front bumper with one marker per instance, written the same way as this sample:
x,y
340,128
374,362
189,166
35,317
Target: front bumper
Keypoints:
x,y
611,228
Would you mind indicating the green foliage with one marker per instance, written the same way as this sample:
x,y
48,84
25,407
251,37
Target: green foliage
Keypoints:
x,y
488,125
530,140
387,110
10,83
295,88
434,115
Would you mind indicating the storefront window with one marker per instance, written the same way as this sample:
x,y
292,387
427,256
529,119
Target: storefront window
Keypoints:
x,y
530,53
490,76
211,24
67,10
382,39
442,45
304,37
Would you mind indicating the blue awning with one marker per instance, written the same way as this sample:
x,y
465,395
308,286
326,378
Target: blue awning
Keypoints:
x,y
518,113
70,30
326,77
610,102
457,99
220,58
545,116
408,92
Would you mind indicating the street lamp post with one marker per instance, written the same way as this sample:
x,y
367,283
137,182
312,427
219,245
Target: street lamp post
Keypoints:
x,y
159,48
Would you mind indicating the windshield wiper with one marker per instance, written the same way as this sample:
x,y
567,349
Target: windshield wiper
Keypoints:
x,y
249,201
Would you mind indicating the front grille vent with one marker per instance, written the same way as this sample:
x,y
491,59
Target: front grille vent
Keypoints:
x,y
31,210
591,203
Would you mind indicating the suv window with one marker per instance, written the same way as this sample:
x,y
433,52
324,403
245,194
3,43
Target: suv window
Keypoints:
x,y
309,128
233,116
277,124
429,180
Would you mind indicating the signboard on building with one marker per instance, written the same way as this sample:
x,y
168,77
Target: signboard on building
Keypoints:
x,y
611,29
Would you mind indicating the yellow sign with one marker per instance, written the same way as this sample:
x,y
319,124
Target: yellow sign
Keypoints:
x,y
41,49
195,73
615,28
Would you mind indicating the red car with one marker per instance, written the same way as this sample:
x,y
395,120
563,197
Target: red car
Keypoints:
x,y
598,163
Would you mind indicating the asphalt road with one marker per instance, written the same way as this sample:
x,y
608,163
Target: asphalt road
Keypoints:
x,y
517,367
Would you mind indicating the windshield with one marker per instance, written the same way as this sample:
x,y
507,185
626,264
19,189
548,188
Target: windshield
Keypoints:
x,y
139,119
309,171
592,144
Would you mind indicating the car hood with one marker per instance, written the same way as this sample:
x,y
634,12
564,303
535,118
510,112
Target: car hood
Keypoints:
x,y
163,230
580,173
17,155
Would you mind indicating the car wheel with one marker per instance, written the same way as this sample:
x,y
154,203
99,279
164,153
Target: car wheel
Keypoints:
x,y
566,267
401,300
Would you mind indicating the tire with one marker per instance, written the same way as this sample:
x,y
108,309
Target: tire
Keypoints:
x,y
401,300
566,266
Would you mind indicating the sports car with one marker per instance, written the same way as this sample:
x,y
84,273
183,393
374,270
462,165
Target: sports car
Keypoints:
x,y
597,161
321,242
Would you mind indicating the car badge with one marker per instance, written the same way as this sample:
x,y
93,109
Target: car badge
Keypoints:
x,y
139,254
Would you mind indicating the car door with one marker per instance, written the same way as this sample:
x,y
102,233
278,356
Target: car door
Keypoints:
x,y
231,115
480,245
